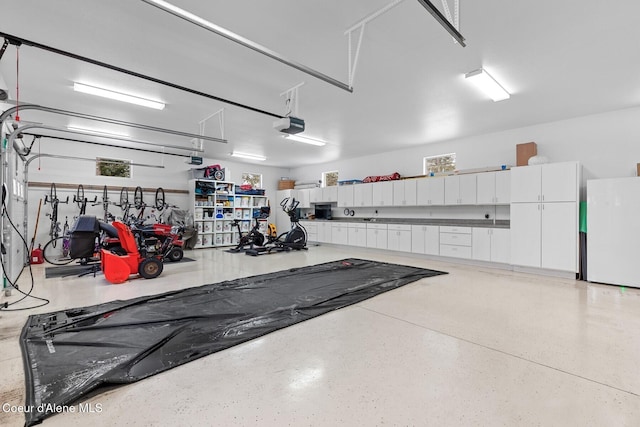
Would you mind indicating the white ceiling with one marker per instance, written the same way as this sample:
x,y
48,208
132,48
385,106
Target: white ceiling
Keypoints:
x,y
559,59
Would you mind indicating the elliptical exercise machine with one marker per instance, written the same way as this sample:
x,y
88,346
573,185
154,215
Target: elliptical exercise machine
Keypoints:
x,y
294,239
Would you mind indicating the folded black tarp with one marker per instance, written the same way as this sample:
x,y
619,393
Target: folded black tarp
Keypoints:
x,y
70,353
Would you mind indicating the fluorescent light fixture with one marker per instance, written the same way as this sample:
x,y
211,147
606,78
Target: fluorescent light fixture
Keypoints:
x,y
248,156
97,132
305,140
487,84
118,96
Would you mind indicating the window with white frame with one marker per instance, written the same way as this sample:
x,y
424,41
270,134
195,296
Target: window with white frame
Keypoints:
x,y
113,167
329,179
440,163
253,179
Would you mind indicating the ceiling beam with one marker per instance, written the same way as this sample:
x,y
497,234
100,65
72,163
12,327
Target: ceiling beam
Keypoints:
x,y
15,39
443,21
23,107
209,26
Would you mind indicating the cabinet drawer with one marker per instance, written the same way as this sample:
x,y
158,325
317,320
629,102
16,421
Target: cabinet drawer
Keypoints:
x,y
377,226
310,227
455,251
399,227
356,225
457,239
451,229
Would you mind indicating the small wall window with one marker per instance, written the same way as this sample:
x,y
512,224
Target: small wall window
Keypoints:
x,y
440,163
253,179
329,179
113,167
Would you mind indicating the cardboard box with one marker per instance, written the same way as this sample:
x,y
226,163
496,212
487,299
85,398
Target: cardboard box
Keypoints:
x,y
286,184
524,152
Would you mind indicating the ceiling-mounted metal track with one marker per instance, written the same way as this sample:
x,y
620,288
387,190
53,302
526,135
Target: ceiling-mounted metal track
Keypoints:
x,y
209,26
7,113
103,144
89,159
14,135
443,21
51,49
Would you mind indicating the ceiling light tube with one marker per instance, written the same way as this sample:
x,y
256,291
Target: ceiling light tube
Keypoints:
x,y
305,140
487,84
97,132
118,96
248,156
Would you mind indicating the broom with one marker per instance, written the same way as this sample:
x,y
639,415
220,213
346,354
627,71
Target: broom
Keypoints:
x,y
35,231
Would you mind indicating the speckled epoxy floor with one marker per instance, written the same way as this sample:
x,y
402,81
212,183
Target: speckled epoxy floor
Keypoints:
x,y
478,346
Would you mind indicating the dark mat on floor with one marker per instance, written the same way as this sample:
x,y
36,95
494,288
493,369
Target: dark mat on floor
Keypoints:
x,y
70,353
77,270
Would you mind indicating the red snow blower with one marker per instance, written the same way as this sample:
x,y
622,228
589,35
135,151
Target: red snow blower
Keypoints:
x,y
118,268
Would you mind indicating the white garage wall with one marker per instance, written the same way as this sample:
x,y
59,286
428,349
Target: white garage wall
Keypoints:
x,y
606,144
175,176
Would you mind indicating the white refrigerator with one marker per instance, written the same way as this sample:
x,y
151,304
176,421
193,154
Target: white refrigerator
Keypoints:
x,y
613,231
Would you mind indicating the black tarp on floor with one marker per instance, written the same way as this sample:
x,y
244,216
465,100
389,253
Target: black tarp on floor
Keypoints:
x,y
69,353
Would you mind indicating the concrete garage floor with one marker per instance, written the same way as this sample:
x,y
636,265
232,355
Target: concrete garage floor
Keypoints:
x,y
478,346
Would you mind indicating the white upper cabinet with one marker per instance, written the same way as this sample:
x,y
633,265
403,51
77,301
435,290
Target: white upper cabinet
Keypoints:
x,y
430,191
460,190
303,197
560,182
345,196
330,194
404,192
494,188
503,187
363,194
383,193
315,195
552,182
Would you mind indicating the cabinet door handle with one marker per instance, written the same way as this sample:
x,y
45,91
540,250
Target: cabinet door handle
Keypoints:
x,y
538,197
538,207
543,197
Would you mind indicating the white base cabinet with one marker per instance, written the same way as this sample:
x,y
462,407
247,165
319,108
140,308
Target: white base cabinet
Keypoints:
x,y
339,233
545,235
312,230
455,242
377,236
399,237
357,234
425,239
324,230
491,244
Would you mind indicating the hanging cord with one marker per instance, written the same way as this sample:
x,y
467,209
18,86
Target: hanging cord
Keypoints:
x,y
17,83
288,106
4,306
